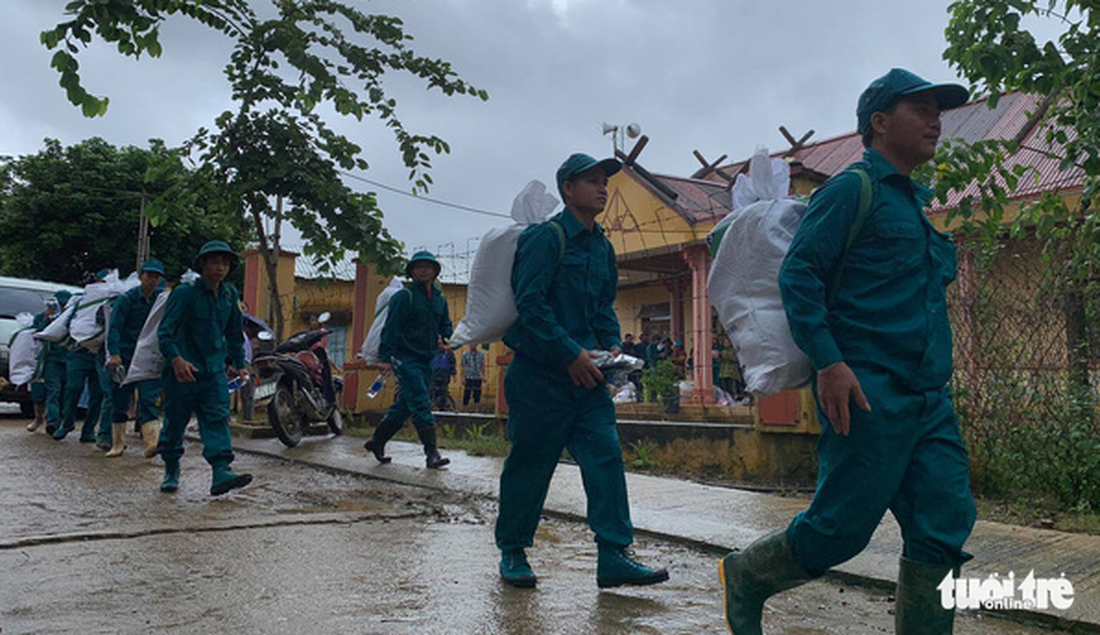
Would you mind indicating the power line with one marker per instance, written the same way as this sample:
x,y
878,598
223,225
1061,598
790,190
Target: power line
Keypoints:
x,y
395,190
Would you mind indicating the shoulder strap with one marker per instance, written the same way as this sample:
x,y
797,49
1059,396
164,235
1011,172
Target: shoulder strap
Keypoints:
x,y
865,196
388,300
561,238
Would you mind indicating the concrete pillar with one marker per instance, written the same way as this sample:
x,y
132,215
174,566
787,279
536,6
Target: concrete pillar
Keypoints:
x,y
676,288
698,260
256,293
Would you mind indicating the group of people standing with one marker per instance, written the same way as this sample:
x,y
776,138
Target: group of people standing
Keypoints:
x,y
200,331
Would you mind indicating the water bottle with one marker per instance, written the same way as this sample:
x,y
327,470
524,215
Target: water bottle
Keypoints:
x,y
377,385
237,382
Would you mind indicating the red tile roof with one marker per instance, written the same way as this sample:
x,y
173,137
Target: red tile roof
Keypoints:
x,y
707,199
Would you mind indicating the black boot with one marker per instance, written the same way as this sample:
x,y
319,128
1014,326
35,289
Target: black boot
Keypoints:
x,y
427,437
376,445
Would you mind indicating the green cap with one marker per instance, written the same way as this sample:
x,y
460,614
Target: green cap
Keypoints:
x,y
422,256
217,247
102,275
579,162
152,265
885,90
63,296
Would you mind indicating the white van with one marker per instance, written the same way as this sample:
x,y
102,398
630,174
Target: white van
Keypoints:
x,y
21,296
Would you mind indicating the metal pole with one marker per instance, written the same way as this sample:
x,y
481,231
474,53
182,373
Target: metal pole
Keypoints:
x,y
143,235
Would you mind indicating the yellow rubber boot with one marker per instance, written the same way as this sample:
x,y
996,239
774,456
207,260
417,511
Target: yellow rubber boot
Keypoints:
x,y
150,433
118,440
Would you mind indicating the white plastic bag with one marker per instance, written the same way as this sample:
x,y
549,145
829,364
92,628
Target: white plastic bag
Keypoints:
x,y
625,395
743,284
86,328
147,362
58,330
490,305
23,356
369,350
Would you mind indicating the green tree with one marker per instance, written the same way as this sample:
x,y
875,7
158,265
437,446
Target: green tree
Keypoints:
x,y
990,45
67,212
274,157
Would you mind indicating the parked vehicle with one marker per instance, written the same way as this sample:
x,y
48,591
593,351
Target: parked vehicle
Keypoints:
x,y
20,296
297,377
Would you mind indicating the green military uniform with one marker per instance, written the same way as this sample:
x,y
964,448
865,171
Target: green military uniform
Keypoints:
x,y
81,368
204,327
417,317
564,279
128,316
564,309
885,317
889,323
53,359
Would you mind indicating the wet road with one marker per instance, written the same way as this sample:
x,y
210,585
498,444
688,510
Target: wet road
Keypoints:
x,y
89,545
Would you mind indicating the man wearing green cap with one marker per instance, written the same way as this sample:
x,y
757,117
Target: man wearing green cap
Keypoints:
x,y
418,319
128,315
39,392
201,327
565,279
83,366
54,356
882,350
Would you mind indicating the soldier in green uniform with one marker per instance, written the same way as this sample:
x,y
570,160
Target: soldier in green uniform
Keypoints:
x,y
882,345
418,319
54,356
38,384
202,327
128,315
565,280
82,367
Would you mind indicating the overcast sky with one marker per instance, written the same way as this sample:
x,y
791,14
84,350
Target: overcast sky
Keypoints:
x,y
719,76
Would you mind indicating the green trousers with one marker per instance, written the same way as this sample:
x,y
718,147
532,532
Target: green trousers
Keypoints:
x,y
547,413
906,456
413,379
107,409
82,367
208,398
148,394
53,372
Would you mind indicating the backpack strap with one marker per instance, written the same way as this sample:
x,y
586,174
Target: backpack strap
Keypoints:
x,y
560,231
865,200
388,300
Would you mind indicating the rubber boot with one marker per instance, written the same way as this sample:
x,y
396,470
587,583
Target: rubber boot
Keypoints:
x,y
87,434
150,434
51,427
516,571
61,432
749,577
616,566
376,445
118,440
39,417
433,459
919,609
171,480
226,480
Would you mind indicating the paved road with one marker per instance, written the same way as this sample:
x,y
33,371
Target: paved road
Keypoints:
x,y
89,545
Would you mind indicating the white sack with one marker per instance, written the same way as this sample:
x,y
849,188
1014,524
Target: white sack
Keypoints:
x,y
147,362
23,355
85,328
58,330
490,305
743,286
369,350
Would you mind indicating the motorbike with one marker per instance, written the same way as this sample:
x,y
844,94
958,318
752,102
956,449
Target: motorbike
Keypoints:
x,y
298,378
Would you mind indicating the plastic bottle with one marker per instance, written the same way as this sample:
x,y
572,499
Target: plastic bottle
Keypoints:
x,y
237,382
377,385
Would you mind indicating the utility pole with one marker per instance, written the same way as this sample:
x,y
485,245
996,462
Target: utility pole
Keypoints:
x,y
143,236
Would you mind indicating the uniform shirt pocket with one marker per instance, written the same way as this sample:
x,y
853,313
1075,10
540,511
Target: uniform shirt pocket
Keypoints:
x,y
900,244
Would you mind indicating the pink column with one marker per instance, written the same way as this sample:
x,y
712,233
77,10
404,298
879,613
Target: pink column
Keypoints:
x,y
676,288
698,260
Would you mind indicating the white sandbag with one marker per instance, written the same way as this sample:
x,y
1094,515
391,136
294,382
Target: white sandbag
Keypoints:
x,y
58,330
369,350
490,305
148,363
743,286
88,329
23,352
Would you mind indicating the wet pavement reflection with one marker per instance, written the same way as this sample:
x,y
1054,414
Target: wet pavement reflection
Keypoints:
x,y
89,545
